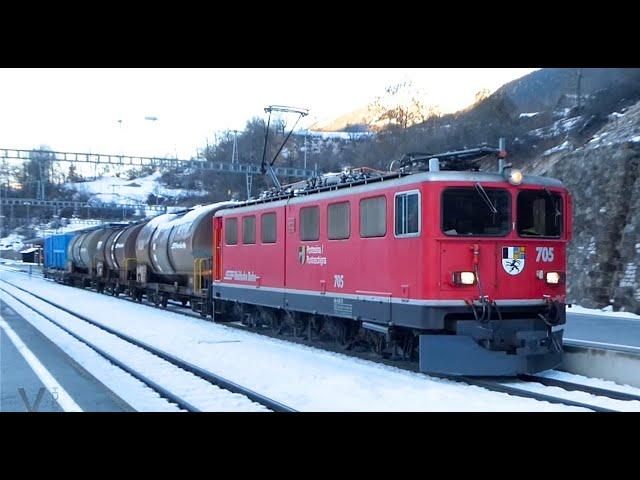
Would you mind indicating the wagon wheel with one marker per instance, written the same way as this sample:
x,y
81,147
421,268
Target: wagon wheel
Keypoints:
x,y
183,302
164,301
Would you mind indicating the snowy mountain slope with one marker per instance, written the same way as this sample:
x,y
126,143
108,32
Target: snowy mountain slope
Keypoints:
x,y
118,190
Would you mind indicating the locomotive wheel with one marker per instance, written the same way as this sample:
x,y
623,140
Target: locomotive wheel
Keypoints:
x,y
237,312
337,329
268,318
288,325
301,328
273,319
378,345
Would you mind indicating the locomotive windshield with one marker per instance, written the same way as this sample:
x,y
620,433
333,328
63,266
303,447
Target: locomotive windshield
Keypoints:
x,y
539,214
466,211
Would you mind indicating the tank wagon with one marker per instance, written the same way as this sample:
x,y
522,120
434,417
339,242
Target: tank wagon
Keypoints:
x,y
174,259
162,259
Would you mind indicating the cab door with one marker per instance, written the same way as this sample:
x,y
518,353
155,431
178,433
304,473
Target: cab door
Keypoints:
x,y
217,248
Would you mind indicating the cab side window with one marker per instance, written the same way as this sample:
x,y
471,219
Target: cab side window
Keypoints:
x,y
231,231
407,214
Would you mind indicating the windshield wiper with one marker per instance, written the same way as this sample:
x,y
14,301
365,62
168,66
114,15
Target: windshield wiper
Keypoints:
x,y
483,194
558,213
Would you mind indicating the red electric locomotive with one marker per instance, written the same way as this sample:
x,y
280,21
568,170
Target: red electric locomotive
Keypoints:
x,y
435,260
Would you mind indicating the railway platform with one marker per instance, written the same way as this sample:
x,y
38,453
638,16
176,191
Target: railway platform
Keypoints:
x,y
37,376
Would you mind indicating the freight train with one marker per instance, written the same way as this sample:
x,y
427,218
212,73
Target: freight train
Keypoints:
x,y
435,261
165,258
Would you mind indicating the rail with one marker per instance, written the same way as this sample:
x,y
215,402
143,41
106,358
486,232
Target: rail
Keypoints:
x,y
183,364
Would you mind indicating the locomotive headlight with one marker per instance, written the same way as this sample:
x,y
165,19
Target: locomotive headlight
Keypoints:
x,y
553,278
464,278
514,176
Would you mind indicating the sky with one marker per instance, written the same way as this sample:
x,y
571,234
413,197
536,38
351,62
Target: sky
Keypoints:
x,y
104,110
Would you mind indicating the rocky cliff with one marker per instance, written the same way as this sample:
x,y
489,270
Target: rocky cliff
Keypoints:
x,y
604,178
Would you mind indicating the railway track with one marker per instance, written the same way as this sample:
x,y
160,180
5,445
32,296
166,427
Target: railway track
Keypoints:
x,y
517,387
148,364
505,385
580,387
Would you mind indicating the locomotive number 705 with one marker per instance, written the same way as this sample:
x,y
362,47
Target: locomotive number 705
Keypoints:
x,y
545,254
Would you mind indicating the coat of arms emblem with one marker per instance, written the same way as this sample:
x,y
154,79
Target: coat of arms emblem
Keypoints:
x,y
513,259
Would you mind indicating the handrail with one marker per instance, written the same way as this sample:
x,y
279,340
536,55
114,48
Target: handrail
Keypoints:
x,y
126,266
198,273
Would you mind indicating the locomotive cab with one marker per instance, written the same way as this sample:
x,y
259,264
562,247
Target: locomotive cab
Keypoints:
x,y
502,253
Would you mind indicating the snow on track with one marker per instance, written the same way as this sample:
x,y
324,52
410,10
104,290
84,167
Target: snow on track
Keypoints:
x,y
592,382
305,378
196,391
577,396
129,389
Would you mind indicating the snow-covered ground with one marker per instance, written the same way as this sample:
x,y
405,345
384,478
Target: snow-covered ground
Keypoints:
x,y
587,398
13,241
196,391
529,114
305,378
557,128
558,148
133,392
119,190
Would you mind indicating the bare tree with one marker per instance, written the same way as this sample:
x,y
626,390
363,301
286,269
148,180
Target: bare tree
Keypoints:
x,y
402,106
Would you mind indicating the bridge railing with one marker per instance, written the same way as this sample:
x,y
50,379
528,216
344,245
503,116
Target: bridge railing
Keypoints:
x,y
136,161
